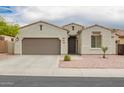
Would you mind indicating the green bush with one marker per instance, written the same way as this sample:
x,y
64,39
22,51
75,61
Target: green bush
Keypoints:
x,y
7,28
67,58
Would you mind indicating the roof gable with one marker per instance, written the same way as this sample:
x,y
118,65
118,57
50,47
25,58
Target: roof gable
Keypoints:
x,y
44,23
73,24
96,25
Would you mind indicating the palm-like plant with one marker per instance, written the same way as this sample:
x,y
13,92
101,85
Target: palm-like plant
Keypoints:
x,y
104,49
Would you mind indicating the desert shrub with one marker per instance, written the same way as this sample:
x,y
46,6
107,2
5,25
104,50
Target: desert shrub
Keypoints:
x,y
67,58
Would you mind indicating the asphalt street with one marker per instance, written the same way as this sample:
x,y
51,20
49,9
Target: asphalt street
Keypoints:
x,y
40,81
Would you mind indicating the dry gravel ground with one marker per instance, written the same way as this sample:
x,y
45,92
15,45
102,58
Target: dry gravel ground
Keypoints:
x,y
94,61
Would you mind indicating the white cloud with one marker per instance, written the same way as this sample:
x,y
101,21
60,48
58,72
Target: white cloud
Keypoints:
x,y
53,13
97,14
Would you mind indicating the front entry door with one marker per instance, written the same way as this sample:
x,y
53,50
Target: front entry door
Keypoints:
x,y
121,49
72,45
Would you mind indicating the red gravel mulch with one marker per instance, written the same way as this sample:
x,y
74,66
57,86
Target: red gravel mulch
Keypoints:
x,y
94,61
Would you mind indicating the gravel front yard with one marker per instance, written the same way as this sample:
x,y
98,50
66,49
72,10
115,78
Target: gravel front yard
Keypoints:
x,y
94,61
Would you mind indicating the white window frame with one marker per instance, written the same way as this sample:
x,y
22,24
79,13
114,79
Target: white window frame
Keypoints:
x,y
96,41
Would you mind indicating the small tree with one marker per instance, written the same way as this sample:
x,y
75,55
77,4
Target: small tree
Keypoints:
x,y
104,49
8,29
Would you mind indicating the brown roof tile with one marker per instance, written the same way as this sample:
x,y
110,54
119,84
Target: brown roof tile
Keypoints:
x,y
120,33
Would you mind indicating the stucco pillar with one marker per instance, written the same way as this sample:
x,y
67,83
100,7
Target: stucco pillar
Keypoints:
x,y
64,45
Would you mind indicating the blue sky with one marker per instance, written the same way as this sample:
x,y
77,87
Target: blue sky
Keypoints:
x,y
88,15
6,9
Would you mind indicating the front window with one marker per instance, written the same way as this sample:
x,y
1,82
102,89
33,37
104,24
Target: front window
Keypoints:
x,y
96,41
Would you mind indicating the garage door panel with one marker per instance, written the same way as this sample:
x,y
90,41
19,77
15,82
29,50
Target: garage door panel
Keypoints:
x,y
41,46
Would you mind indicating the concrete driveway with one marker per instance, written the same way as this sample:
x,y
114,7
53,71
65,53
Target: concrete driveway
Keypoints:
x,y
34,65
28,64
48,65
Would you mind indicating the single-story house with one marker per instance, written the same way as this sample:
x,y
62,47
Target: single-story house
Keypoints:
x,y
45,38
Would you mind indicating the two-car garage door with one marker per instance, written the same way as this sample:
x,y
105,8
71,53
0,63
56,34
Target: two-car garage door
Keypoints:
x,y
37,46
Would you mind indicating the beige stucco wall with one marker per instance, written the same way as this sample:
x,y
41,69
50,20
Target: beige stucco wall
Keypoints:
x,y
76,29
107,40
10,47
79,43
9,44
7,38
48,31
121,40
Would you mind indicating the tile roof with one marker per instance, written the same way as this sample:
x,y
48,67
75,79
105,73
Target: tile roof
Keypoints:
x,y
73,24
120,33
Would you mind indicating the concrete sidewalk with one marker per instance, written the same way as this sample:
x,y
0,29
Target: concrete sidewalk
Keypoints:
x,y
68,72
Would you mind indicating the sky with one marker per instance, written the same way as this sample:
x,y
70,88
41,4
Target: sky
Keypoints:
x,y
112,17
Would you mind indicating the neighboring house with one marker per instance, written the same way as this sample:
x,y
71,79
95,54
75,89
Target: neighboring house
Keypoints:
x,y
45,38
120,41
6,45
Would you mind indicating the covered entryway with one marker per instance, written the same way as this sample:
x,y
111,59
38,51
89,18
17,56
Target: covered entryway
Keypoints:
x,y
121,49
38,46
72,45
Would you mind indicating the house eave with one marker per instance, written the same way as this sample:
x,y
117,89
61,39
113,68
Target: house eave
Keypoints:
x,y
44,23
